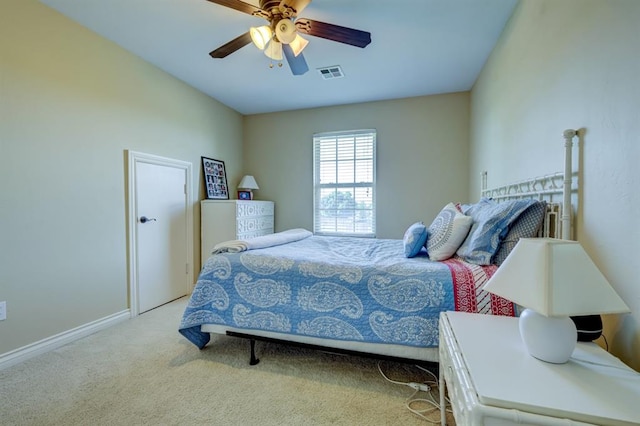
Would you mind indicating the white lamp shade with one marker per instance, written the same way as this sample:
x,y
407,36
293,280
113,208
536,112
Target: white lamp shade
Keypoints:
x,y
248,182
260,36
298,44
554,278
274,50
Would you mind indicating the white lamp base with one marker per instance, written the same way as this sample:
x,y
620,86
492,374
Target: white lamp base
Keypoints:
x,y
550,339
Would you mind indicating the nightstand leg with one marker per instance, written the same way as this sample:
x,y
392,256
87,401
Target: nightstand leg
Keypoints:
x,y
443,408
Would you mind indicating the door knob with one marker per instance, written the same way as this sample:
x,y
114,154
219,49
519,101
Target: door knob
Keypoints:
x,y
145,219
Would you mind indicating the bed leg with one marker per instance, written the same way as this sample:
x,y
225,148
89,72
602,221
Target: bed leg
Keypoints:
x,y
253,360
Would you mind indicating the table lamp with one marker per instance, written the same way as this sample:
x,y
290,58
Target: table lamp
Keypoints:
x,y
553,279
248,183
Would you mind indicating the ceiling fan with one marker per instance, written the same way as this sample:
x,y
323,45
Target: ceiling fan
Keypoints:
x,y
282,35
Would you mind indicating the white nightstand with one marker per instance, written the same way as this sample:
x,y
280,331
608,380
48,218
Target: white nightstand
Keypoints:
x,y
492,380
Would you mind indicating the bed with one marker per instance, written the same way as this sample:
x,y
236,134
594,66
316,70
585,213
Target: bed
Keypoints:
x,y
375,297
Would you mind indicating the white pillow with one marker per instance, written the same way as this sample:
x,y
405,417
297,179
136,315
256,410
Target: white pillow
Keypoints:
x,y
447,232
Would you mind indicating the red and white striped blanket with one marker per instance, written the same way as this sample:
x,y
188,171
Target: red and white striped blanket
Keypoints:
x,y
468,280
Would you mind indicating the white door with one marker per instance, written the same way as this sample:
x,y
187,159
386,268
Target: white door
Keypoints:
x,y
161,227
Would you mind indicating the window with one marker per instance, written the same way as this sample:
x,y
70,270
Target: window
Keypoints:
x,y
344,183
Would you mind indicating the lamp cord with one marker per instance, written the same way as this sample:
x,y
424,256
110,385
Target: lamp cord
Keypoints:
x,y
606,342
430,399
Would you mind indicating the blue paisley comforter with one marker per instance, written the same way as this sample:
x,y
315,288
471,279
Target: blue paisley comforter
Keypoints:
x,y
342,288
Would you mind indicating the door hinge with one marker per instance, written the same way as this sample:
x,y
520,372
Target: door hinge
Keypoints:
x,y
186,269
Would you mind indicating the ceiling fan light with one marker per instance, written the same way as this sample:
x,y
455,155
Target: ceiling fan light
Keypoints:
x,y
260,36
285,31
298,44
274,50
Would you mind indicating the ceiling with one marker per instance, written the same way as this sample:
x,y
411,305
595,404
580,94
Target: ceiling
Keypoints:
x,y
419,47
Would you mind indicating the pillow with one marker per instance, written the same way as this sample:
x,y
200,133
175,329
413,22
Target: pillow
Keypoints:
x,y
414,238
491,222
447,231
526,225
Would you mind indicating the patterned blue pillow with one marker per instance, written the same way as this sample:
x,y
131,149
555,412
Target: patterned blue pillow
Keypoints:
x,y
526,225
491,222
414,238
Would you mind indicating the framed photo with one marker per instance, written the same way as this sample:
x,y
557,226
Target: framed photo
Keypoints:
x,y
215,179
244,195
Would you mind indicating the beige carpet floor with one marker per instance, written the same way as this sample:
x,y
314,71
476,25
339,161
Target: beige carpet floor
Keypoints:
x,y
143,372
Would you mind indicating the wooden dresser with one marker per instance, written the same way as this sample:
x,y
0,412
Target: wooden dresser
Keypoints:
x,y
233,220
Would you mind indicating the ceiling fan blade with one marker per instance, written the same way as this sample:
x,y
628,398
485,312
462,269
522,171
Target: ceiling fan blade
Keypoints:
x,y
228,48
333,32
238,5
297,64
290,8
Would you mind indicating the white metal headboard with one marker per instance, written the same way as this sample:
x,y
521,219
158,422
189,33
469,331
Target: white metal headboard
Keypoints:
x,y
557,222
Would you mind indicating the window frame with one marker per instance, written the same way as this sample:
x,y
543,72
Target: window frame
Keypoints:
x,y
370,139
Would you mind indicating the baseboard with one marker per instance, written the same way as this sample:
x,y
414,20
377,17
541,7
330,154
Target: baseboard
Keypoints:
x,y
22,354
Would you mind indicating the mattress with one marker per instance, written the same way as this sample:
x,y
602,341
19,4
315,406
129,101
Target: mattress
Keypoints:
x,y
350,293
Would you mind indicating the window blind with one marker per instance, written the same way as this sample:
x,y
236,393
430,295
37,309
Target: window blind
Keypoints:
x,y
344,183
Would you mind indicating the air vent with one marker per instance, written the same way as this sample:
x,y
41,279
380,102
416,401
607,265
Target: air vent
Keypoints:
x,y
329,73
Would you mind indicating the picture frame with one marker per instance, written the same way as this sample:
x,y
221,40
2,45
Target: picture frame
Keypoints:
x,y
244,195
215,179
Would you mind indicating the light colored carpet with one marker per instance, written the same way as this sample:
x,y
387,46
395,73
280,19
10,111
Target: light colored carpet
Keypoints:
x,y
143,372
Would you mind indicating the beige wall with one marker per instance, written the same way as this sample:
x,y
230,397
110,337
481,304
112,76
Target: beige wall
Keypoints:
x,y
422,157
572,64
71,103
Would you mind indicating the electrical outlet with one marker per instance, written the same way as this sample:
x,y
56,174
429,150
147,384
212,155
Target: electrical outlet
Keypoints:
x,y
3,311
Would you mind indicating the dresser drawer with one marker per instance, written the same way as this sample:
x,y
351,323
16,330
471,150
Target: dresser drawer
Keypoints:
x,y
254,225
253,234
254,208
